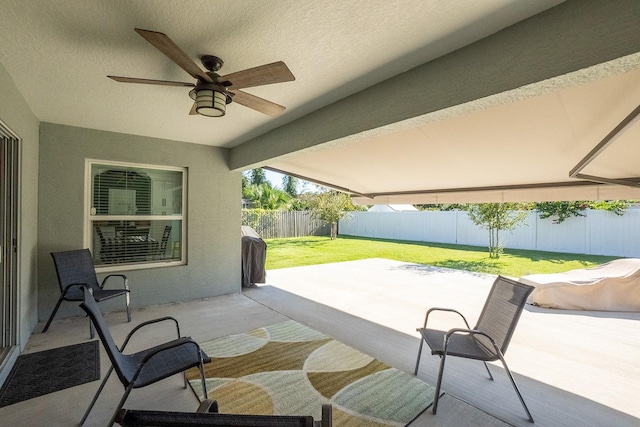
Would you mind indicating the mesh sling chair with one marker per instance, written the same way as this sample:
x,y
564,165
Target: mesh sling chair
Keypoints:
x,y
488,340
144,367
108,253
207,415
76,268
164,241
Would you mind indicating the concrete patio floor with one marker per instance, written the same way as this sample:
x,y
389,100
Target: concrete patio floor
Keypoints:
x,y
573,368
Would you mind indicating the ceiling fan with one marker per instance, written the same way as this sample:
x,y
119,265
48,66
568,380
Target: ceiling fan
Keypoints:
x,y
213,92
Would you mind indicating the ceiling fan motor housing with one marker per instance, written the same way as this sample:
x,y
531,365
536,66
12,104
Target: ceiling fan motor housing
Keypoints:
x,y
212,63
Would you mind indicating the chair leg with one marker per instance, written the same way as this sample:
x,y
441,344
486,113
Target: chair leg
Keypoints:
x,y
488,371
327,415
415,371
121,404
434,408
208,406
202,378
128,300
205,394
515,386
53,313
95,397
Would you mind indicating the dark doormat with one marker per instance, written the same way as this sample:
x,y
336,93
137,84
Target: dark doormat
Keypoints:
x,y
37,374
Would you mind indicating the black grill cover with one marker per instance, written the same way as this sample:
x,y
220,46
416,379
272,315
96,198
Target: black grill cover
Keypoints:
x,y
254,257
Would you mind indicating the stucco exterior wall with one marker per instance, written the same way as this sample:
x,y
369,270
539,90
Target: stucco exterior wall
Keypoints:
x,y
213,214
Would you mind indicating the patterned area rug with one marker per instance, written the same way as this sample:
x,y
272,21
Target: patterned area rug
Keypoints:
x,y
290,369
37,374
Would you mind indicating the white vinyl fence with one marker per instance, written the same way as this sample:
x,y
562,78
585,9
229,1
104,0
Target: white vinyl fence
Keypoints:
x,y
598,233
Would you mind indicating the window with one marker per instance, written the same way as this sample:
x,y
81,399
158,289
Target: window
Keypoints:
x,y
136,214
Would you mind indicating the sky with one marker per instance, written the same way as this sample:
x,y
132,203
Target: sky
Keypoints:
x,y
274,178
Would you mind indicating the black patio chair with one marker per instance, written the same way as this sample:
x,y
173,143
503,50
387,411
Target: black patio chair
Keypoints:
x,y
162,248
488,340
76,268
207,415
107,247
144,367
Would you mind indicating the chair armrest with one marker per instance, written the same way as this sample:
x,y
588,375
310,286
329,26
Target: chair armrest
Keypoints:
x,y
142,418
124,278
164,347
450,310
454,331
149,322
207,415
68,287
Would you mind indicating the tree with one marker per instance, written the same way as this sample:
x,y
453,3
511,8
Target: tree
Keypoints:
x,y
330,206
290,185
495,217
564,210
442,207
300,203
618,207
561,210
264,196
257,177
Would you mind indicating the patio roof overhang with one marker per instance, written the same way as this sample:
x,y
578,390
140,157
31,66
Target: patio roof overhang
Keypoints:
x,y
526,114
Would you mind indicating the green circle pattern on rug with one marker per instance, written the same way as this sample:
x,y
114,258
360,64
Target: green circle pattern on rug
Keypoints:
x,y
290,369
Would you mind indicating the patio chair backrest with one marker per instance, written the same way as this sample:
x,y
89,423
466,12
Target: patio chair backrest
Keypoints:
x,y
103,241
75,267
90,306
165,239
502,310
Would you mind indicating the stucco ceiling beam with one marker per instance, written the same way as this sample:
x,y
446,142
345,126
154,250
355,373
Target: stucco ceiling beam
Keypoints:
x,y
569,37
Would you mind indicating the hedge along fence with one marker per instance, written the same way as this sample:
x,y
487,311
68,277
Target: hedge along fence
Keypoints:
x,y
271,224
598,233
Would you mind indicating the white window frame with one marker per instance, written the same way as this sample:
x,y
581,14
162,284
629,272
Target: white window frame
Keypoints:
x,y
89,217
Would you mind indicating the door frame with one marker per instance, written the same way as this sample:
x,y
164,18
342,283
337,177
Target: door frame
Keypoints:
x,y
10,158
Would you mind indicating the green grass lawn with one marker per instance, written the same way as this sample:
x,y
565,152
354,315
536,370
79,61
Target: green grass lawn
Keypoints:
x,y
299,251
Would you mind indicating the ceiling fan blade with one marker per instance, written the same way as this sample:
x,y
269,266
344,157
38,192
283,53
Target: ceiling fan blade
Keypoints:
x,y
193,111
267,74
164,44
150,81
256,103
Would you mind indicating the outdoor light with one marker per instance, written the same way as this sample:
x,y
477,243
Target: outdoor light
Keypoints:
x,y
211,99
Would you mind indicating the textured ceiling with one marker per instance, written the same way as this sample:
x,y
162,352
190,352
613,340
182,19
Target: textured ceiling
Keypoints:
x,y
59,53
407,101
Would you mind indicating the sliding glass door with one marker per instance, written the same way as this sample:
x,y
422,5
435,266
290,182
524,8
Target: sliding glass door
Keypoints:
x,y
8,240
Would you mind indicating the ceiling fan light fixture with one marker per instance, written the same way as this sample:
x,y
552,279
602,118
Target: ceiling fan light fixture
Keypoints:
x,y
211,99
210,94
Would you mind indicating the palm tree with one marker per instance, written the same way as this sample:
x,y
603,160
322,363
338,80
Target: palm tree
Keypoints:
x,y
266,197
